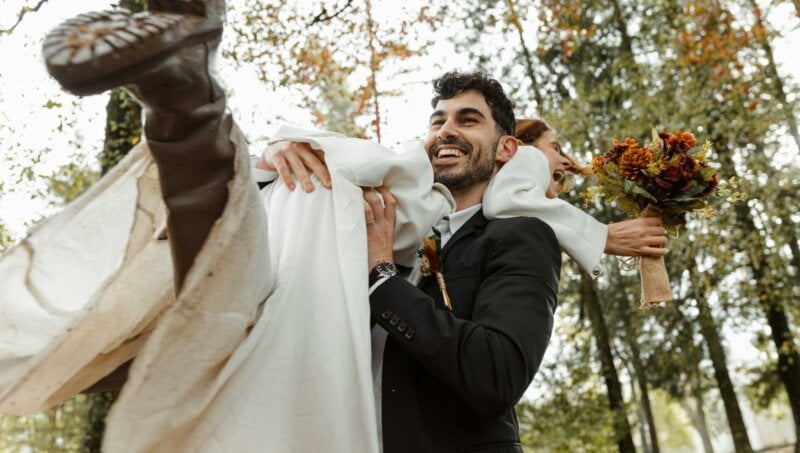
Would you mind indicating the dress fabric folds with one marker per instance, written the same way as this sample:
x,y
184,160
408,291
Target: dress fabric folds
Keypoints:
x,y
267,346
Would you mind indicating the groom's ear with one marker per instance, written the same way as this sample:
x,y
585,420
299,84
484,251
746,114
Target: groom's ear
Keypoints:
x,y
506,148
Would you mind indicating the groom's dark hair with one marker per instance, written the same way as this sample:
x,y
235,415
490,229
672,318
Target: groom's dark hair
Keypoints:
x,y
453,83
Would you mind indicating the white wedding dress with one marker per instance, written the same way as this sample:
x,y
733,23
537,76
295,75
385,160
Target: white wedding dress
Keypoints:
x,y
267,347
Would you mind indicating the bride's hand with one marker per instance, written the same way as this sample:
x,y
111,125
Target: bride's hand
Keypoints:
x,y
644,236
379,213
296,161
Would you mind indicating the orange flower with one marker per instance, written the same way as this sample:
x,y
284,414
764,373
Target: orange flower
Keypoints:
x,y
612,155
627,143
431,264
430,255
680,142
633,162
598,164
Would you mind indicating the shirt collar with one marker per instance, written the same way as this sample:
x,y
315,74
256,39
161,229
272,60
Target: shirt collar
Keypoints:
x,y
459,218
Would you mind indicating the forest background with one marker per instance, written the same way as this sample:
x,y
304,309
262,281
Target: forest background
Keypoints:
x,y
717,369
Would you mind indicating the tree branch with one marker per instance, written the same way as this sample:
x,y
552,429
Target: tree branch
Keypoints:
x,y
22,12
323,16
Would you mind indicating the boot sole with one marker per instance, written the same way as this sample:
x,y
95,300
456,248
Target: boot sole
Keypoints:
x,y
97,51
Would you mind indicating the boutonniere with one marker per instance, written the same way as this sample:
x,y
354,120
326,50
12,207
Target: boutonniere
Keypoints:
x,y
431,264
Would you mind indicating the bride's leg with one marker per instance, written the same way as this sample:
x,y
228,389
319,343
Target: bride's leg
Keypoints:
x,y
162,57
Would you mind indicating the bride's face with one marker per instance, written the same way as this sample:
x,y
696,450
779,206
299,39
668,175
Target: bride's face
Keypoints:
x,y
559,164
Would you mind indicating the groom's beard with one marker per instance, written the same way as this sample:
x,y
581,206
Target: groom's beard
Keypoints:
x,y
479,166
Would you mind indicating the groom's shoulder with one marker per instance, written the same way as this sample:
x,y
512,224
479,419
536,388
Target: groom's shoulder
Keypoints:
x,y
523,228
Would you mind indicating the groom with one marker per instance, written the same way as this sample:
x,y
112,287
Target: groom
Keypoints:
x,y
451,378
448,380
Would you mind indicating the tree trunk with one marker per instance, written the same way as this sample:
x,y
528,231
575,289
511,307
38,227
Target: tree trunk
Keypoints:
x,y
641,380
591,301
643,422
622,28
777,319
98,406
772,71
708,328
537,95
640,411
123,128
699,420
793,247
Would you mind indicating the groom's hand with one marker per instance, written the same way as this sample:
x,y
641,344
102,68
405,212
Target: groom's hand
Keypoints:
x,y
644,236
296,161
380,208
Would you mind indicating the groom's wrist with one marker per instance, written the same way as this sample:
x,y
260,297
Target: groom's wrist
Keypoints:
x,y
383,268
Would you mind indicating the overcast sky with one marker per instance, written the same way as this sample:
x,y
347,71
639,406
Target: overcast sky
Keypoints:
x,y
26,123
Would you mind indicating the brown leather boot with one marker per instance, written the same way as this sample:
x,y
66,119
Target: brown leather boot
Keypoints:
x,y
162,57
97,51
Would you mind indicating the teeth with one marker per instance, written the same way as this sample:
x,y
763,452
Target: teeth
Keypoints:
x,y
450,152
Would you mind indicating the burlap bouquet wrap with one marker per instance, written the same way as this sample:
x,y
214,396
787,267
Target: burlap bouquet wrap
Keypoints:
x,y
653,273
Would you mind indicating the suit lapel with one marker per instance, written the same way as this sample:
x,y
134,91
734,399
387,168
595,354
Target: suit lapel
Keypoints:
x,y
476,223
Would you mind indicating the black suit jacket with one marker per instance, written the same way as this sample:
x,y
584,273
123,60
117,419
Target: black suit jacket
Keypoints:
x,y
451,379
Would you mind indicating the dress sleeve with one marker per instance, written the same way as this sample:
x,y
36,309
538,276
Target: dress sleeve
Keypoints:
x,y
519,188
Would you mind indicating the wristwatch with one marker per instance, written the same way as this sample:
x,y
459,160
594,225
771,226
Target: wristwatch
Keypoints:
x,y
382,269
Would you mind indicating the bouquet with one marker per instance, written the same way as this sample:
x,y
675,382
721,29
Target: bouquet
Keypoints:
x,y
666,177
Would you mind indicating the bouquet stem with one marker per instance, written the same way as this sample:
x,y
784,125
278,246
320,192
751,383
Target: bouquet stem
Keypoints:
x,y
653,274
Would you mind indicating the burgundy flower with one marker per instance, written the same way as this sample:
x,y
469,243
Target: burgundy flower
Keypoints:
x,y
672,180
711,186
689,166
613,154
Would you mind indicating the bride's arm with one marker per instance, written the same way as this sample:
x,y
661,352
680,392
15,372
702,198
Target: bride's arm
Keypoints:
x,y
519,189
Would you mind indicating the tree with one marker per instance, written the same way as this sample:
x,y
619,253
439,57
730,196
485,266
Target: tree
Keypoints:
x,y
21,15
720,71
321,59
616,403
689,65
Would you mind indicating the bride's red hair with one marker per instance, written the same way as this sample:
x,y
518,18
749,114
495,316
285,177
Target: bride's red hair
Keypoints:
x,y
530,130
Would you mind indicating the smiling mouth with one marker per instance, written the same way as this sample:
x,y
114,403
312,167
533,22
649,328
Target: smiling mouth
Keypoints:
x,y
443,153
450,149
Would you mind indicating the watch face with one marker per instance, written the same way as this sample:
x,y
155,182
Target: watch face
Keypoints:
x,y
386,269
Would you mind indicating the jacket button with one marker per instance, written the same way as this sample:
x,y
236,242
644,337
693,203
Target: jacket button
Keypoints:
x,y
410,334
402,327
395,320
386,315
